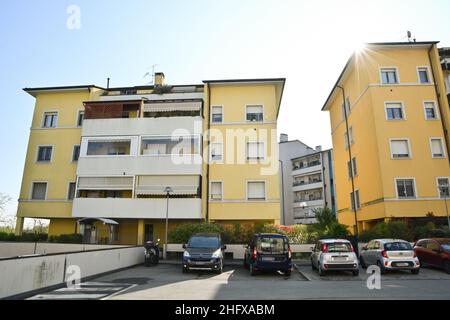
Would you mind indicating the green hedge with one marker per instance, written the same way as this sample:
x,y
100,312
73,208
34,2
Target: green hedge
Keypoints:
x,y
24,237
66,238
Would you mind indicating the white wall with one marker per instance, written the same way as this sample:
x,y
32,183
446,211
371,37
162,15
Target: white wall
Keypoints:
x,y
137,208
21,275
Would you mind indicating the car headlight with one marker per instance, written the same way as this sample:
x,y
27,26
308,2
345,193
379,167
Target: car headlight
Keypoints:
x,y
216,254
186,254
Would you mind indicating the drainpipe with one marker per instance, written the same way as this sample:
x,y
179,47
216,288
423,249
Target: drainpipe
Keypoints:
x,y
207,160
282,192
438,96
351,164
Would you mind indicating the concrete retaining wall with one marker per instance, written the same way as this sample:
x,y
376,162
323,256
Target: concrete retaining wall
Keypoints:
x,y
15,249
22,275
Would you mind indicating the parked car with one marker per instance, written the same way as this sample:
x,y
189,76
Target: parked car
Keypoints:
x,y
334,254
204,251
390,254
434,252
268,252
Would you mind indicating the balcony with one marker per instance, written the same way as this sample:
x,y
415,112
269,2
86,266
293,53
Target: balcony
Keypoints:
x,y
189,208
311,167
307,185
139,165
311,202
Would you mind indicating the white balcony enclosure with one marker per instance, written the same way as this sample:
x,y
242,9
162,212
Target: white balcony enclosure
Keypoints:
x,y
307,186
187,208
307,170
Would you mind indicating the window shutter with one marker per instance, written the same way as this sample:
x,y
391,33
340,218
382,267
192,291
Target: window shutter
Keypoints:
x,y
216,110
216,190
436,147
256,190
254,109
399,147
39,190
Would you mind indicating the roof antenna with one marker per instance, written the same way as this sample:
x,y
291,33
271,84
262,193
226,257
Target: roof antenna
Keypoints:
x,y
409,35
107,83
151,75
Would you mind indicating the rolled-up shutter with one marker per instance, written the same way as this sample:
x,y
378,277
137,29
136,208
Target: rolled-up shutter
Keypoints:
x,y
400,148
155,185
256,190
179,106
105,183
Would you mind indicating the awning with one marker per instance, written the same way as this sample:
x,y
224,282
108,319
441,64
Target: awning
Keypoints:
x,y
155,185
159,190
175,106
106,183
104,220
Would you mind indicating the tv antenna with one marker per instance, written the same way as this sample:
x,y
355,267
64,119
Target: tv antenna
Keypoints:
x,y
151,75
409,35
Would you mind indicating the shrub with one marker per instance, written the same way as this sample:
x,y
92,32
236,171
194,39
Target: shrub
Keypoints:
x,y
67,238
183,232
25,237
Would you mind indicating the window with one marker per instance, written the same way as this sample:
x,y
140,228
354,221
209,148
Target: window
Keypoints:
x,y
405,188
423,75
255,150
183,145
216,190
256,190
443,186
394,111
217,114
430,111
255,113
389,76
71,191
39,191
50,120
80,118
400,148
350,131
346,107
216,151
354,201
109,148
352,169
75,153
44,154
437,148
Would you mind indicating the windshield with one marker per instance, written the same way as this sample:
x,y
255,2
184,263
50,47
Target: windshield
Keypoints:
x,y
203,242
339,247
397,246
271,245
446,246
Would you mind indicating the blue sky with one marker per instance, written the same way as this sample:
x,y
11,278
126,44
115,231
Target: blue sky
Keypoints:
x,y
308,42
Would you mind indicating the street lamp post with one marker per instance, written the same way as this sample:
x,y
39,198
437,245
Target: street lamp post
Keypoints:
x,y
303,205
444,191
167,190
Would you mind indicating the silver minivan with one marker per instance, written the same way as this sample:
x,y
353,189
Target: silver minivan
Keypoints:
x,y
334,254
390,254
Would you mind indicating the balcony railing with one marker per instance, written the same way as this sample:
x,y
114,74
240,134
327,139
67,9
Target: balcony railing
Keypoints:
x,y
310,164
301,183
309,199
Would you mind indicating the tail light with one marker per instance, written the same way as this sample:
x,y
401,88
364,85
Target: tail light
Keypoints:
x,y
254,253
384,254
324,247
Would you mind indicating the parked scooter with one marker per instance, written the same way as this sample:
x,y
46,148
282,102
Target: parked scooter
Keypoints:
x,y
151,252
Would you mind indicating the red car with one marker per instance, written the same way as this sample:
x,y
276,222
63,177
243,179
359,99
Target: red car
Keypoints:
x,y
434,252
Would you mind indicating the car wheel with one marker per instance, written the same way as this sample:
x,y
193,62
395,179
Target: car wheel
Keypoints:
x,y
382,269
321,272
220,269
415,271
355,273
185,270
362,263
252,270
246,266
422,263
287,273
447,266
312,265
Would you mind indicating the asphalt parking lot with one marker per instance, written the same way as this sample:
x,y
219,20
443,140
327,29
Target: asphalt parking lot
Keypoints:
x,y
166,281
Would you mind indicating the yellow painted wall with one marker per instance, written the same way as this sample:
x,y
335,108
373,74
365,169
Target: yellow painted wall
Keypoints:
x,y
62,226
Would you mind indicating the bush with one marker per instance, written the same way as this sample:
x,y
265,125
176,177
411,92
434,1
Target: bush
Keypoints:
x,y
183,232
67,238
25,237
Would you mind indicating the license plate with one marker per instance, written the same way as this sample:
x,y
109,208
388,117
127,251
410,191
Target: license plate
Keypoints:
x,y
201,262
268,258
340,258
402,264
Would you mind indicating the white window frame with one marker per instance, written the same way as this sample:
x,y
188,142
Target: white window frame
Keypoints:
x,y
409,148
211,160
443,147
134,145
74,192
381,77
256,159
255,105
37,153
437,186
386,103
78,115
211,111
147,137
221,190
430,80
415,188
436,110
32,188
246,190
43,119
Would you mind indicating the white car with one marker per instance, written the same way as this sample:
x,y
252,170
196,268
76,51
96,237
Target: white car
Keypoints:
x,y
334,254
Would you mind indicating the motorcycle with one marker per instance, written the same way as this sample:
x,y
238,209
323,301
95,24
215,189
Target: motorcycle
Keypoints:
x,y
151,252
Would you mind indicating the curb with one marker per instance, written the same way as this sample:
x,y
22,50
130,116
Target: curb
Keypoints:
x,y
296,266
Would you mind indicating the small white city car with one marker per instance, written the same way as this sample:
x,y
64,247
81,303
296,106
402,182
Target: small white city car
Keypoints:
x,y
390,254
334,254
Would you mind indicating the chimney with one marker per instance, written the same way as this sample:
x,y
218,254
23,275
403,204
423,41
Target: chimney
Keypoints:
x,y
159,78
318,148
284,137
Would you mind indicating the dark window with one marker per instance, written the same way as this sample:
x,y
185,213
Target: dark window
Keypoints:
x,y
44,154
397,246
76,153
389,76
394,113
80,118
39,191
71,191
423,75
405,188
255,113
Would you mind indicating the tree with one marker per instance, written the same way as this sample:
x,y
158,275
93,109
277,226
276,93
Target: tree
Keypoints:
x,y
6,222
324,217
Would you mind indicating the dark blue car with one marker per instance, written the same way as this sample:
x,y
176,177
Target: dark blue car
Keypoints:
x,y
268,252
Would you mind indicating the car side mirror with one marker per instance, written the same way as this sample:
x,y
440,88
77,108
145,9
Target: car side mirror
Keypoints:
x,y
224,247
184,246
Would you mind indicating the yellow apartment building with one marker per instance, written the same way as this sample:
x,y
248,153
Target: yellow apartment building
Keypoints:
x,y
113,163
390,120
